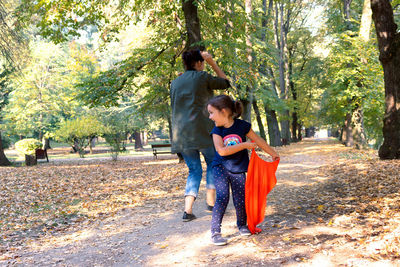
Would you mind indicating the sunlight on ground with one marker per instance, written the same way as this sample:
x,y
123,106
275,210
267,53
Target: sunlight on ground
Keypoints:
x,y
320,178
293,183
182,250
51,242
161,162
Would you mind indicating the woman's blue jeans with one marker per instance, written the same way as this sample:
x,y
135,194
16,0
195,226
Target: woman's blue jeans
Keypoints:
x,y
192,160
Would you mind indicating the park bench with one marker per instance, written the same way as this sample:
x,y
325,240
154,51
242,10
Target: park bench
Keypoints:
x,y
157,146
41,154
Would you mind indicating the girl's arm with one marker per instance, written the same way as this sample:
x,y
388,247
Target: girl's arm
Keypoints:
x,y
262,144
229,150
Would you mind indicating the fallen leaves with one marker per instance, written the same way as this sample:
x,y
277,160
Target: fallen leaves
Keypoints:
x,y
47,198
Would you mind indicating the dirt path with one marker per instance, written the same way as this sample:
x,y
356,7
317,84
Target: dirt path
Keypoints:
x,y
295,231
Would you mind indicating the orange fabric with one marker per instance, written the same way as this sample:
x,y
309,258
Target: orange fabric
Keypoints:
x,y
259,182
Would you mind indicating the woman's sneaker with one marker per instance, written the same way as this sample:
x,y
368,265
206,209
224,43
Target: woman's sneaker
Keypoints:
x,y
217,240
187,217
244,231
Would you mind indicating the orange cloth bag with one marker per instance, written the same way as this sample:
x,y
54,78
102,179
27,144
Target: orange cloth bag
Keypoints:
x,y
259,182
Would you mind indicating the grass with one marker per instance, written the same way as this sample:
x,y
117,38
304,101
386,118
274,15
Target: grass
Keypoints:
x,y
61,151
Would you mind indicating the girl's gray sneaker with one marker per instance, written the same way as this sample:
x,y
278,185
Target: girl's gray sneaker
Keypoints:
x,y
244,231
218,240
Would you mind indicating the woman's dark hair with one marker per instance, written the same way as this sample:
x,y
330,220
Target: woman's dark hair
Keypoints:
x,y
226,102
190,58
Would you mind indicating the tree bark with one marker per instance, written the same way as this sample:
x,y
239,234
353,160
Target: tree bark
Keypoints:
x,y
246,114
138,141
359,136
295,121
3,159
348,130
346,13
281,46
272,121
273,128
366,20
249,91
192,25
30,160
259,121
92,144
389,55
358,131
46,143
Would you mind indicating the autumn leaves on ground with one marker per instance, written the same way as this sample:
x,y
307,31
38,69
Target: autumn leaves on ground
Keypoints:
x,y
331,203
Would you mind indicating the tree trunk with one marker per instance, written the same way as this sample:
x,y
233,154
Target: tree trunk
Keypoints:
x,y
273,128
91,144
144,137
259,121
138,141
246,114
357,120
249,91
281,45
46,143
192,24
295,120
366,20
346,13
3,159
299,134
389,55
358,131
349,131
30,160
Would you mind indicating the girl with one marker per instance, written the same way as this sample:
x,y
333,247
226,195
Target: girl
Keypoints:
x,y
231,161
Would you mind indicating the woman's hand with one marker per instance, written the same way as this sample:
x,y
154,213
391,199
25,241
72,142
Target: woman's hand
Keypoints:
x,y
206,56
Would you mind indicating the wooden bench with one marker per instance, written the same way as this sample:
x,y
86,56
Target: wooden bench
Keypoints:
x,y
41,154
155,152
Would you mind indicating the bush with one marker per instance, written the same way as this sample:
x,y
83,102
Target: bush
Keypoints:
x,y
28,146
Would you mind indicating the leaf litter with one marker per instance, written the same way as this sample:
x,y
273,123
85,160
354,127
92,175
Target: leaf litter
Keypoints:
x,y
358,192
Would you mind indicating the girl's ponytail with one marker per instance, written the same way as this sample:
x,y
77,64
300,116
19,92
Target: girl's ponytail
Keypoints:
x,y
226,102
237,109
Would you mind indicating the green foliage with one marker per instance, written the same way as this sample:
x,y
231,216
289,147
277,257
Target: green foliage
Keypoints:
x,y
28,146
44,94
118,122
351,81
60,20
78,132
142,42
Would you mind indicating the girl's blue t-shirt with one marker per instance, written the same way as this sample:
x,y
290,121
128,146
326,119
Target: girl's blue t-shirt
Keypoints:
x,y
238,162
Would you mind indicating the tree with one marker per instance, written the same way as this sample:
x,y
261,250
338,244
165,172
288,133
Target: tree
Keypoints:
x,y
78,132
11,55
117,123
5,90
389,56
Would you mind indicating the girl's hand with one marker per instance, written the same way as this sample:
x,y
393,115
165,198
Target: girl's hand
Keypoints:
x,y
250,145
275,157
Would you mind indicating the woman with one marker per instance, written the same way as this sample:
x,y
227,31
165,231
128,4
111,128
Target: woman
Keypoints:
x,y
190,126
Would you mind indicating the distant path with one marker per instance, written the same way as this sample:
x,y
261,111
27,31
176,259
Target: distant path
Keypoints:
x,y
142,238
